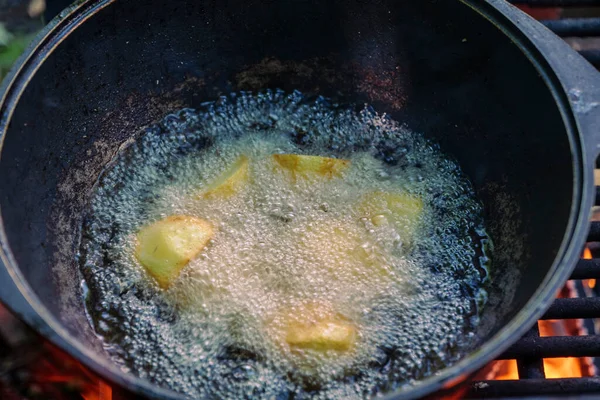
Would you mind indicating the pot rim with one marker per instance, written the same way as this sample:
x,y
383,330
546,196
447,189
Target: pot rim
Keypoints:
x,y
507,18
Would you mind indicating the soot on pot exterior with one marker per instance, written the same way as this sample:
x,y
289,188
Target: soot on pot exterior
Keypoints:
x,y
508,99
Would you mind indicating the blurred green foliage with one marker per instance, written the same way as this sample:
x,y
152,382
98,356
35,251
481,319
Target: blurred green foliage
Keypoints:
x,y
13,43
10,51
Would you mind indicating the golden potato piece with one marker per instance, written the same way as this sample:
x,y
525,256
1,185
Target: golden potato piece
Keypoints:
x,y
308,166
322,335
230,181
402,210
316,328
166,246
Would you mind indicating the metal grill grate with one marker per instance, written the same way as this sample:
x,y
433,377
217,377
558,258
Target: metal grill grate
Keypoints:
x,y
530,350
572,27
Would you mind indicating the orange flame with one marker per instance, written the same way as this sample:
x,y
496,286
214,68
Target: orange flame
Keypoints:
x,y
56,370
102,392
559,367
587,255
507,370
553,367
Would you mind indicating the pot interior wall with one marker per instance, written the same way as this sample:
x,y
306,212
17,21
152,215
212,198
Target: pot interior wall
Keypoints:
x,y
436,66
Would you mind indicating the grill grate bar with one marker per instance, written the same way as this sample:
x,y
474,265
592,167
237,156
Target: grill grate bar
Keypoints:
x,y
587,269
534,387
574,308
553,346
531,366
594,232
574,26
593,56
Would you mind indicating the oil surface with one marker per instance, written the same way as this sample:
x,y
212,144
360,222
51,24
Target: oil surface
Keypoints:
x,y
277,247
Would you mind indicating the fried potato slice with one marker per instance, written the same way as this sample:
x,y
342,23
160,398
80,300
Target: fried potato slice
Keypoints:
x,y
323,335
311,166
402,210
165,247
230,181
316,328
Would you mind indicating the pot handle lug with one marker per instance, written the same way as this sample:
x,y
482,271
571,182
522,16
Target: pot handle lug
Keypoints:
x,y
585,103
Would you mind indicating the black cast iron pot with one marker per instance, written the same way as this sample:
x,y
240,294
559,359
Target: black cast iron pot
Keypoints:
x,y
510,101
